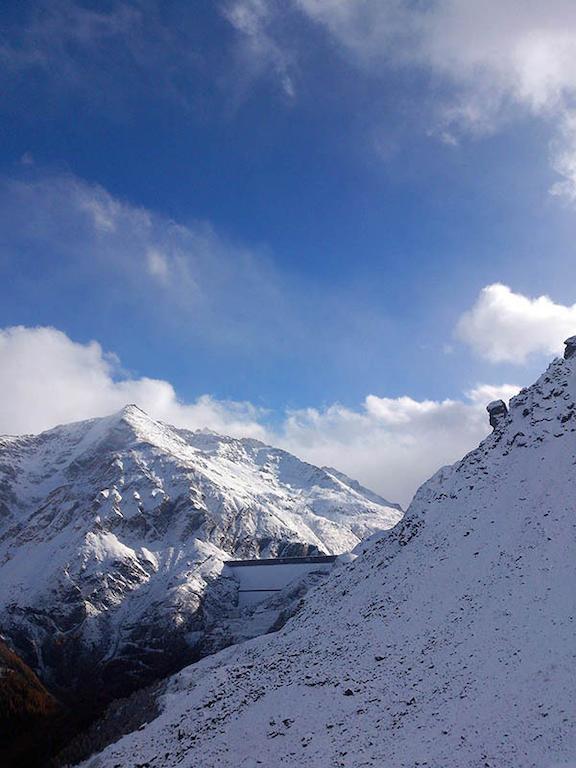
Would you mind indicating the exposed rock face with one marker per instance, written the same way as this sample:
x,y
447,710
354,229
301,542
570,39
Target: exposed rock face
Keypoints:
x,y
112,530
454,631
497,410
570,350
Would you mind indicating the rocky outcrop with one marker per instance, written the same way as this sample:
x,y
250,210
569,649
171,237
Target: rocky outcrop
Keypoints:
x,y
570,350
497,411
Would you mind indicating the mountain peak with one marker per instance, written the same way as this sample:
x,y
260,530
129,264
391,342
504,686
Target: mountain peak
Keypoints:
x,y
131,408
133,413
140,423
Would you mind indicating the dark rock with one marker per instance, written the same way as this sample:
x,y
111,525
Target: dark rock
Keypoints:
x,y
570,350
497,410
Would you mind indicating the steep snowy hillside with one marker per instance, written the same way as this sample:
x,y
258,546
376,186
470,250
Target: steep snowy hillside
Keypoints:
x,y
112,529
449,643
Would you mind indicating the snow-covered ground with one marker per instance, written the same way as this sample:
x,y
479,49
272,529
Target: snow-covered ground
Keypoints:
x,y
112,529
449,642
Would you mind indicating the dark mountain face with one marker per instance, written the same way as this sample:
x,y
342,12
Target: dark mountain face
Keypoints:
x,y
31,719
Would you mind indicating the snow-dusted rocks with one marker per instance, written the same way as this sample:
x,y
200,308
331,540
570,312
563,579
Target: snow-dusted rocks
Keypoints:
x,y
448,643
570,350
112,529
497,410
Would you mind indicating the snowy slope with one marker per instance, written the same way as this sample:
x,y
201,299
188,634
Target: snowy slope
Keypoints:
x,y
111,530
450,643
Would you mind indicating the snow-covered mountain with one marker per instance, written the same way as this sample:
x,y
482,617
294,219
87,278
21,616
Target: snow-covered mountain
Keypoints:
x,y
112,529
449,643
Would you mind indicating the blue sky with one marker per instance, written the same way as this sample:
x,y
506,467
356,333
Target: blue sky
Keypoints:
x,y
286,209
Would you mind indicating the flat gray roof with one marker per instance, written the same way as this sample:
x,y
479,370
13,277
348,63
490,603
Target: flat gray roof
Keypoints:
x,y
282,561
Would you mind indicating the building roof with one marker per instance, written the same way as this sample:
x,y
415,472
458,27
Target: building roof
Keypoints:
x,y
282,561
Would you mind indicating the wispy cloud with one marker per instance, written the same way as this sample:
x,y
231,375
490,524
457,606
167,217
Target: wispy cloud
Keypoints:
x,y
495,52
218,290
504,326
184,277
490,63
115,53
108,53
54,35
259,53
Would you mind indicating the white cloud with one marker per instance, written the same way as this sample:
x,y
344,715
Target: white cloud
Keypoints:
x,y
390,444
496,51
483,394
48,379
504,326
158,264
490,61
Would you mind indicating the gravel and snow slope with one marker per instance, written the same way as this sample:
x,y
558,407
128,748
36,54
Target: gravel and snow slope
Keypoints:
x,y
450,643
111,530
